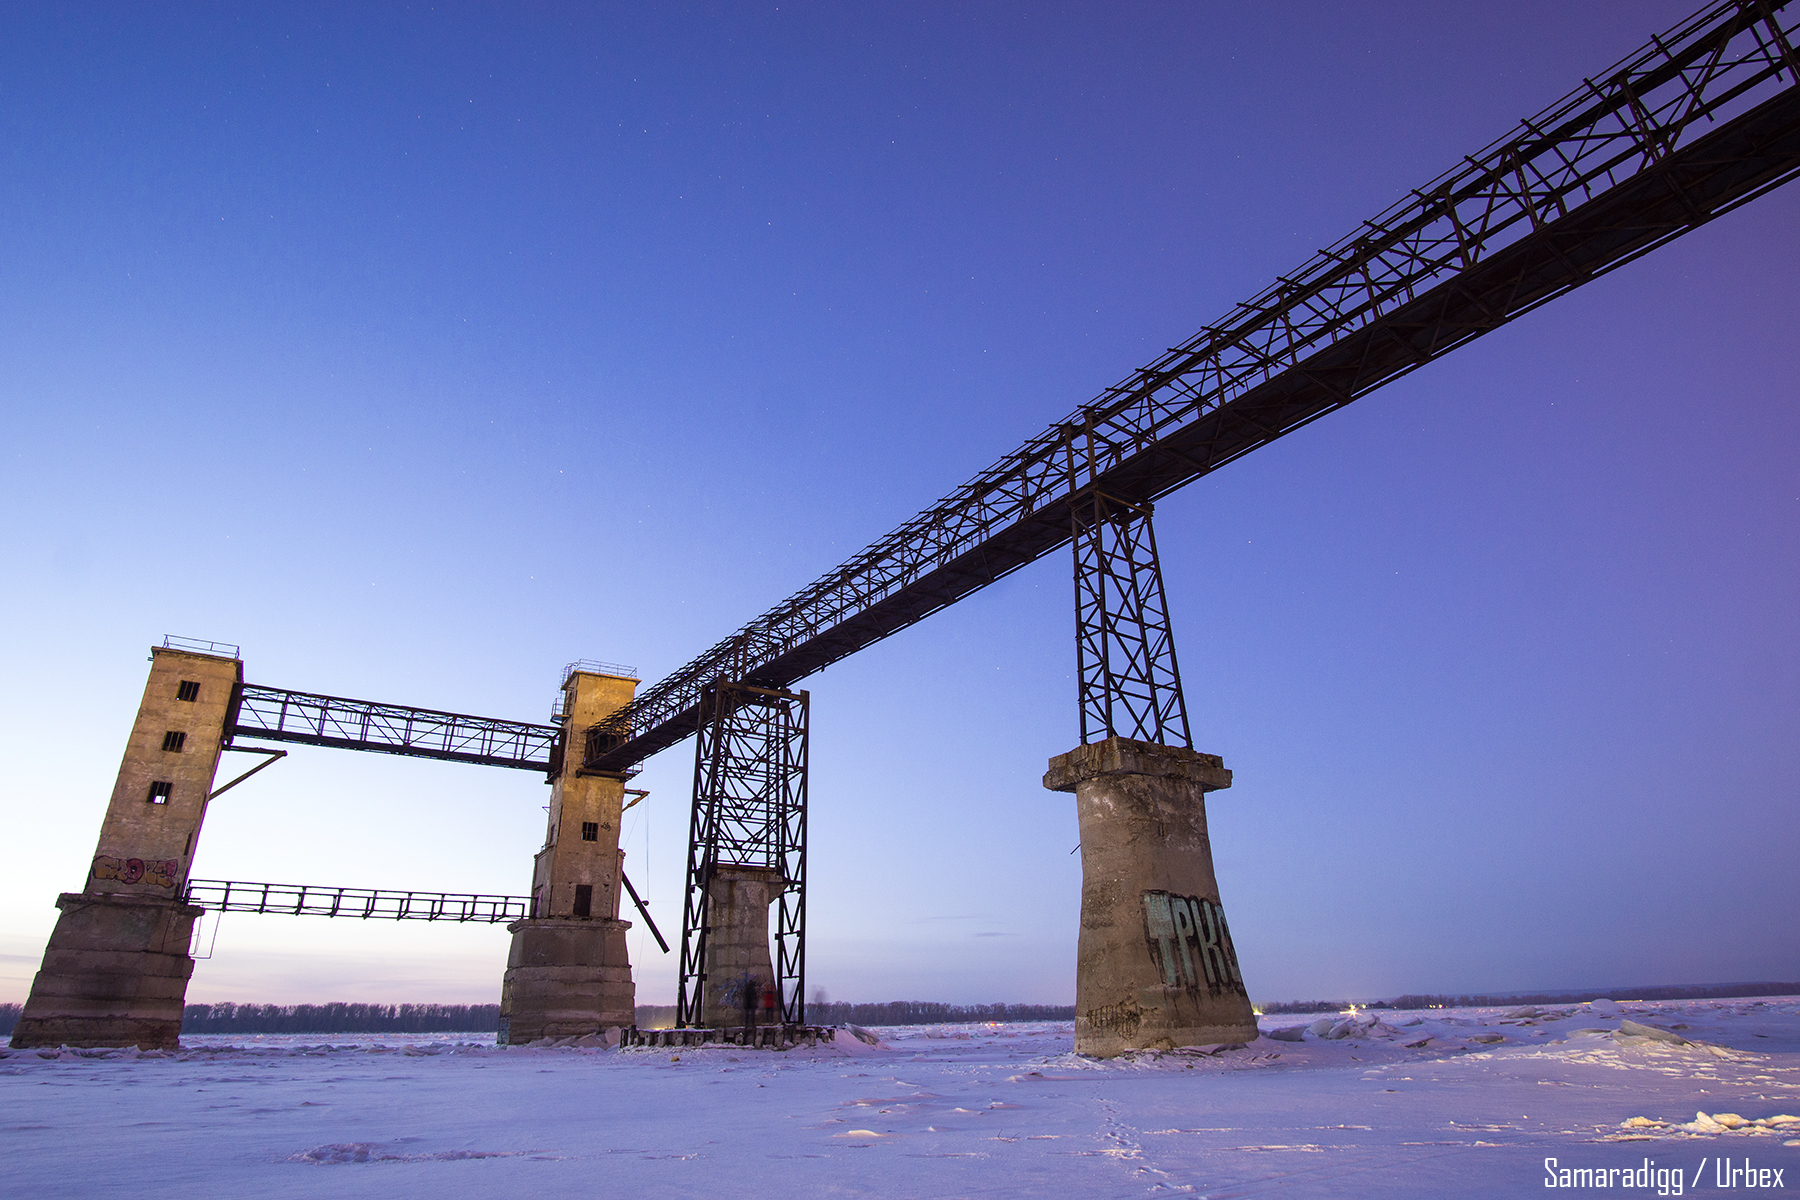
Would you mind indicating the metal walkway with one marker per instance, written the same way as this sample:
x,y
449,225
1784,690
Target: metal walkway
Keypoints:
x,y
296,899
279,715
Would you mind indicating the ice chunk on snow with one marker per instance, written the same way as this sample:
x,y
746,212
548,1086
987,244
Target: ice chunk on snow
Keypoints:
x,y
1633,1029
1730,1122
856,1040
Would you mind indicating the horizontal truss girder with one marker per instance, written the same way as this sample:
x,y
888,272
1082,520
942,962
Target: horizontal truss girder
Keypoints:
x,y
279,715
1700,121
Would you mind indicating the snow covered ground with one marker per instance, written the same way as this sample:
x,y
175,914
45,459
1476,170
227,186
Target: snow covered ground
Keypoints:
x,y
1463,1102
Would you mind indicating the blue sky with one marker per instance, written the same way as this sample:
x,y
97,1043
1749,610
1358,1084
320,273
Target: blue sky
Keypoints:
x,y
422,349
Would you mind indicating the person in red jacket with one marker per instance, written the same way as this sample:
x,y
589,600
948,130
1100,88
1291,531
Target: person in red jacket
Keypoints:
x,y
769,998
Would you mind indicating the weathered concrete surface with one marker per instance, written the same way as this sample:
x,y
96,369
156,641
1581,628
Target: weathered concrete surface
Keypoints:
x,y
1155,966
569,971
145,846
738,967
566,977
569,861
114,974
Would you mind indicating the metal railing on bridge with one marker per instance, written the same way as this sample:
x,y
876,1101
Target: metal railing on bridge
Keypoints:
x,y
296,899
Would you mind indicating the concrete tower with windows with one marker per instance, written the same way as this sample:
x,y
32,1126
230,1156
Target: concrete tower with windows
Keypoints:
x,y
116,970
569,972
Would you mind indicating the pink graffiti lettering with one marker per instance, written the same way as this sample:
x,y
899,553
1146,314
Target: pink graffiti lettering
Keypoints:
x,y
157,872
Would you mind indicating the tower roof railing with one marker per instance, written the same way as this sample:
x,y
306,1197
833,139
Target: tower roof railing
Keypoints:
x,y
200,646
592,666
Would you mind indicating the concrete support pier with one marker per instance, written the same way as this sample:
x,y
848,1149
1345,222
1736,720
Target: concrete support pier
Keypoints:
x,y
738,967
116,970
566,978
1155,966
114,974
569,970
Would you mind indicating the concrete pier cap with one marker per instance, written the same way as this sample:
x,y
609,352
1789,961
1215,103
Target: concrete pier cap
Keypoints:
x,y
1155,963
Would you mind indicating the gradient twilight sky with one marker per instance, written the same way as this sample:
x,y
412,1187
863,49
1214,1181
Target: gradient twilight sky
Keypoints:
x,y
421,349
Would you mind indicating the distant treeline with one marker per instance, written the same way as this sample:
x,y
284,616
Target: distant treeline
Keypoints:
x,y
929,1012
1673,992
9,1016
894,1012
340,1018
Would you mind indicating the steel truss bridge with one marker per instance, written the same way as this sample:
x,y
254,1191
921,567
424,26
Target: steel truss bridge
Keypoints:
x,y
1701,120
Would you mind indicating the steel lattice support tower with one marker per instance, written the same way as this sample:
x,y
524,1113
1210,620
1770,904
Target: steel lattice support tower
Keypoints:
x,y
1126,672
749,811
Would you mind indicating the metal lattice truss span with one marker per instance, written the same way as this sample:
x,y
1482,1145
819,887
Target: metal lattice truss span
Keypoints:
x,y
279,715
749,811
1703,119
1129,681
296,899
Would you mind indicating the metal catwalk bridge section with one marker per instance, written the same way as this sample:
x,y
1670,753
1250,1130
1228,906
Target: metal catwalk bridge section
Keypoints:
x,y
279,715
296,899
1700,121
310,900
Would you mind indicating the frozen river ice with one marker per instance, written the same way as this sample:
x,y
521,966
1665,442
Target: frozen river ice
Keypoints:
x,y
1413,1104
